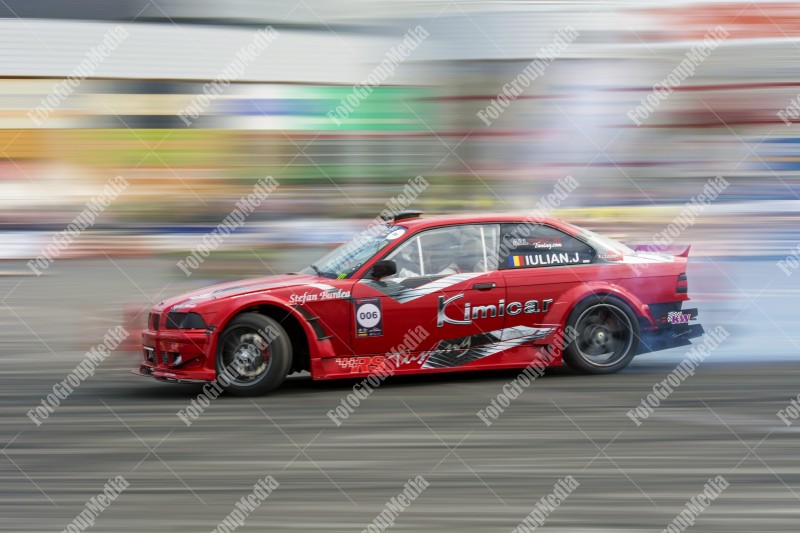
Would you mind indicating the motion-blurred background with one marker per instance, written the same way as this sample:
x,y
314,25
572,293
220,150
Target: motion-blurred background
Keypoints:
x,y
421,120
73,117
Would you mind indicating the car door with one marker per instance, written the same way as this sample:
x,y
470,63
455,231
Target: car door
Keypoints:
x,y
539,264
443,303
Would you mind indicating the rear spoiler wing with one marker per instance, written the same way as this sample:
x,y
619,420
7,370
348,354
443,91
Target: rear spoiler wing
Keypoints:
x,y
677,250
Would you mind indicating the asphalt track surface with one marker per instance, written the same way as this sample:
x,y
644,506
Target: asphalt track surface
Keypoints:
x,y
722,421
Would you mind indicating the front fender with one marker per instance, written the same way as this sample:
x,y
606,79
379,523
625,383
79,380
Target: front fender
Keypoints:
x,y
317,348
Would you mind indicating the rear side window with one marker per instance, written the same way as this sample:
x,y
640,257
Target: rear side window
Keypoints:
x,y
535,246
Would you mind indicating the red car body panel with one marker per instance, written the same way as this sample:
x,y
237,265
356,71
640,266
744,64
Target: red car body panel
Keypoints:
x,y
441,308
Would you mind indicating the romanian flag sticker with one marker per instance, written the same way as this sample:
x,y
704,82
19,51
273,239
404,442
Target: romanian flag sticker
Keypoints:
x,y
515,261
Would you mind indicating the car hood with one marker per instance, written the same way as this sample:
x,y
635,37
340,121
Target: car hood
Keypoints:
x,y
237,288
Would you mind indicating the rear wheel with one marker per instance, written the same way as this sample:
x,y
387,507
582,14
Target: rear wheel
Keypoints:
x,y
607,336
255,355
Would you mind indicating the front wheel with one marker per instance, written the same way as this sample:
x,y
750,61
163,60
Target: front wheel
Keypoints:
x,y
607,336
254,355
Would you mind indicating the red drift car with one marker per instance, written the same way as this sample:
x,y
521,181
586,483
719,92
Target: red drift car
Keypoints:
x,y
424,295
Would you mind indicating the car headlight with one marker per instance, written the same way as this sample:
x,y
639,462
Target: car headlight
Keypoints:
x,y
176,320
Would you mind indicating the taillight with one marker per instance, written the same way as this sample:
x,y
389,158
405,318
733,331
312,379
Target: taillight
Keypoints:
x,y
683,284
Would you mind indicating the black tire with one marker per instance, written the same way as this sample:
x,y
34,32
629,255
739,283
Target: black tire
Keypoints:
x,y
263,351
608,336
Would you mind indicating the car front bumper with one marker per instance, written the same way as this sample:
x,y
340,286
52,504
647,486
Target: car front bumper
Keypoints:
x,y
175,355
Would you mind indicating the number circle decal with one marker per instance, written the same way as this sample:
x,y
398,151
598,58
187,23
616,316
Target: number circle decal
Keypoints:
x,y
368,315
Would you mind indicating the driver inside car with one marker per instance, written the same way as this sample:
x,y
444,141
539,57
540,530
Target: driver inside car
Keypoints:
x,y
443,253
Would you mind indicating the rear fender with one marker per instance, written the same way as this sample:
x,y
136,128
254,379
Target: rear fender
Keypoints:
x,y
578,294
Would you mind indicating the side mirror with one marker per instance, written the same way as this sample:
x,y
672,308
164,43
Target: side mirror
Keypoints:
x,y
384,268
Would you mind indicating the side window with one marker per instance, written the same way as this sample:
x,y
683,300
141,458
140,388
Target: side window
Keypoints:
x,y
526,246
452,250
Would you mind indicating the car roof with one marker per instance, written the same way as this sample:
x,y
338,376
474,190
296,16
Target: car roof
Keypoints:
x,y
450,220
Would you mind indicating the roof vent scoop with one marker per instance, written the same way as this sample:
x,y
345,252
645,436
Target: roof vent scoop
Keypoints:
x,y
402,215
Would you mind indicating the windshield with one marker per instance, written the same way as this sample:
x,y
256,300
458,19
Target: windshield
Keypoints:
x,y
350,256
